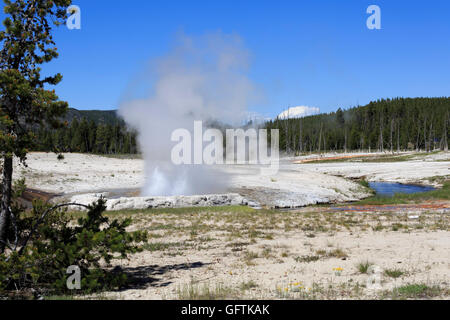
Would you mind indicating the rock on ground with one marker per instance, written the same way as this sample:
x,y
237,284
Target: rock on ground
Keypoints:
x,y
132,203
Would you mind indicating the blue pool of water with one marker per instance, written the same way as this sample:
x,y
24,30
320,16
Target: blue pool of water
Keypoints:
x,y
389,189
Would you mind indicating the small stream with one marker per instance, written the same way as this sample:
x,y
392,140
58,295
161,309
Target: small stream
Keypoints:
x,y
389,189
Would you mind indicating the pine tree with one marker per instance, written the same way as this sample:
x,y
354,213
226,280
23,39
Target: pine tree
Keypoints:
x,y
420,123
101,142
26,43
75,141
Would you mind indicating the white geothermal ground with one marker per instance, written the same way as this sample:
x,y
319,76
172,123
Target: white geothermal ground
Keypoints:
x,y
82,178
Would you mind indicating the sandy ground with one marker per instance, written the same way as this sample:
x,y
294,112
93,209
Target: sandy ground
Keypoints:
x,y
242,253
294,185
78,173
245,254
414,171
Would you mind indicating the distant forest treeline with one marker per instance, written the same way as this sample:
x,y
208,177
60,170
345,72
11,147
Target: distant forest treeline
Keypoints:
x,y
89,136
383,125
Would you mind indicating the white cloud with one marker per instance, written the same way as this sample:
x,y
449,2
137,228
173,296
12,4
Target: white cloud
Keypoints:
x,y
298,112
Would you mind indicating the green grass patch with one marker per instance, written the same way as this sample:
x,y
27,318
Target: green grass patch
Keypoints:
x,y
417,291
394,273
389,158
187,210
363,267
364,183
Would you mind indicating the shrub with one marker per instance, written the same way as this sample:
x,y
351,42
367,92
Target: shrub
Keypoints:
x,y
49,244
363,267
393,273
364,183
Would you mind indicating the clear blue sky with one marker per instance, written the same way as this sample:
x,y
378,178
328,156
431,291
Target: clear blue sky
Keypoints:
x,y
315,53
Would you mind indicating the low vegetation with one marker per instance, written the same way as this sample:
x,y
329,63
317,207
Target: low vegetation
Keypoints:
x,y
417,291
394,273
383,125
47,242
252,237
206,291
363,267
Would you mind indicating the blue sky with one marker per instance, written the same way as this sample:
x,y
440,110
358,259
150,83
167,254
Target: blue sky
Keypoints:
x,y
315,53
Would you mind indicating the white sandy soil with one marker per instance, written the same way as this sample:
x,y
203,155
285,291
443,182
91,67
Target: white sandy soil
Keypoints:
x,y
413,171
293,186
246,254
221,262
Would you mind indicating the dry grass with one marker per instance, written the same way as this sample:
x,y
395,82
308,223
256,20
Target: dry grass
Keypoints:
x,y
242,243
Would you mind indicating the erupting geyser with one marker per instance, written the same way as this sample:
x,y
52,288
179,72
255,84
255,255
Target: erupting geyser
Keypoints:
x,y
200,80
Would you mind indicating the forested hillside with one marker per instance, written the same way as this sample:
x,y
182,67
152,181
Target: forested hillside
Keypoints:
x,y
104,133
98,116
384,125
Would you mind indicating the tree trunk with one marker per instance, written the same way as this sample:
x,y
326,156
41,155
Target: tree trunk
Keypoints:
x,y
444,142
381,139
418,136
381,142
430,139
5,201
425,133
320,138
294,140
392,133
300,139
286,129
346,136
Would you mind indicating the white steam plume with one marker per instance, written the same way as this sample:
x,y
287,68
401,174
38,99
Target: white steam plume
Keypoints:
x,y
201,79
